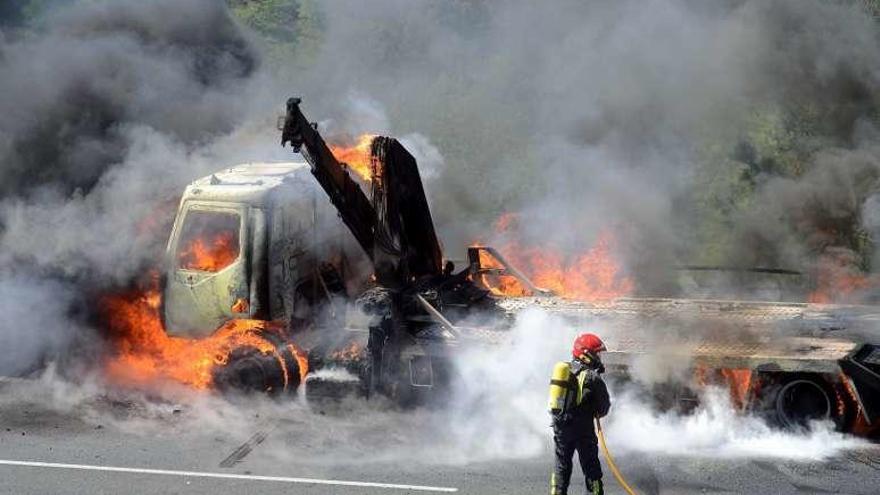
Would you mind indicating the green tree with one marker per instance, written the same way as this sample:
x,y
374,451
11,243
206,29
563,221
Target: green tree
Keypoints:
x,y
290,30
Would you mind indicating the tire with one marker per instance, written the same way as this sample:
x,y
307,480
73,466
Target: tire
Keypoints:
x,y
801,399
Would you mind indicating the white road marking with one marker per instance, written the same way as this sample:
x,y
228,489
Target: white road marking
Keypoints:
x,y
250,477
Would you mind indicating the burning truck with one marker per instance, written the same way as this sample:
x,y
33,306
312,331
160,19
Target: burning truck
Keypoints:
x,y
265,284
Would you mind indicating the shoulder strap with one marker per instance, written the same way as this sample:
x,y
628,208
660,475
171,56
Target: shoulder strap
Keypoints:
x,y
581,391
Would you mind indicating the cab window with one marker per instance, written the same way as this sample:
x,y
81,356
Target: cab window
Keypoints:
x,y
209,240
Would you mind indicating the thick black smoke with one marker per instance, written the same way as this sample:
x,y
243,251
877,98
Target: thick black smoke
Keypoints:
x,y
105,110
674,122
68,94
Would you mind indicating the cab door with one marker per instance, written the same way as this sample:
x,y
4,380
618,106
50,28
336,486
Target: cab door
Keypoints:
x,y
206,279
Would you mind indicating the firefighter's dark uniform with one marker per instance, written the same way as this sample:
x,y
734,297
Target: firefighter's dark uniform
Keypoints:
x,y
586,397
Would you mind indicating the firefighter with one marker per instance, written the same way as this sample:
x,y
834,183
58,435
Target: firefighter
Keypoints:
x,y
577,395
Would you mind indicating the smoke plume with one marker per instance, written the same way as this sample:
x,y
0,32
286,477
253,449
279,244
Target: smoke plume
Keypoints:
x,y
106,112
732,133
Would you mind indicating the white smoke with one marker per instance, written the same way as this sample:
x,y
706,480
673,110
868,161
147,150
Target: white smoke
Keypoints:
x,y
499,413
505,407
716,430
37,327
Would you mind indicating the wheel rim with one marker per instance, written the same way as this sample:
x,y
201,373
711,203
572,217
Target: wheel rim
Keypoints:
x,y
800,401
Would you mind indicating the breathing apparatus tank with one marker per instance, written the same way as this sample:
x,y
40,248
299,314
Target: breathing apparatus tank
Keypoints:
x,y
559,386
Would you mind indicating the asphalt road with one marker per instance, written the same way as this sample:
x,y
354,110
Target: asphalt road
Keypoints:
x,y
54,439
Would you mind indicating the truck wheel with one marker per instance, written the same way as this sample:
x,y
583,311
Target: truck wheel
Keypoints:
x,y
800,400
249,370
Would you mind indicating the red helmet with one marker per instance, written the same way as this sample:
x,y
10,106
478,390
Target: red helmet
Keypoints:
x,y
587,343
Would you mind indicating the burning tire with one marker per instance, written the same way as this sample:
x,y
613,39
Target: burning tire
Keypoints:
x,y
250,370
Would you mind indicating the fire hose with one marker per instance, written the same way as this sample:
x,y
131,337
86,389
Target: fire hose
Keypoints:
x,y
610,460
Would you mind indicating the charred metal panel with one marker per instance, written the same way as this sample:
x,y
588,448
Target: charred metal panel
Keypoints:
x,y
259,265
406,233
506,268
862,366
292,233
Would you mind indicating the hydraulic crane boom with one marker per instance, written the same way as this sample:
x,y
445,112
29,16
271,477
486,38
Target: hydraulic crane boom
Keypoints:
x,y
394,225
353,206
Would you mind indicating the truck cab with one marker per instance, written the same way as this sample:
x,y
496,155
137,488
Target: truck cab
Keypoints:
x,y
245,245
261,241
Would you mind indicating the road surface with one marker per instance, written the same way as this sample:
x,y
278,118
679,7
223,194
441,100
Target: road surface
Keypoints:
x,y
58,439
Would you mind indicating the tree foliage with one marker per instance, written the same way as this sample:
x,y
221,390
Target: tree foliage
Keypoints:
x,y
290,30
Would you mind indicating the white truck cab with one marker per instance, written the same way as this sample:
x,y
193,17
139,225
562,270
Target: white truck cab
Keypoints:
x,y
244,245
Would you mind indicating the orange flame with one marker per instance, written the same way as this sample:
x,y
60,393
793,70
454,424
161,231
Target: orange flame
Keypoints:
x,y
302,360
500,285
357,157
352,352
859,424
738,381
593,275
838,279
589,276
210,255
145,354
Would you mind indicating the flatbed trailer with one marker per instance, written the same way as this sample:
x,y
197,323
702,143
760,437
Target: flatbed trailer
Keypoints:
x,y
733,334
799,360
